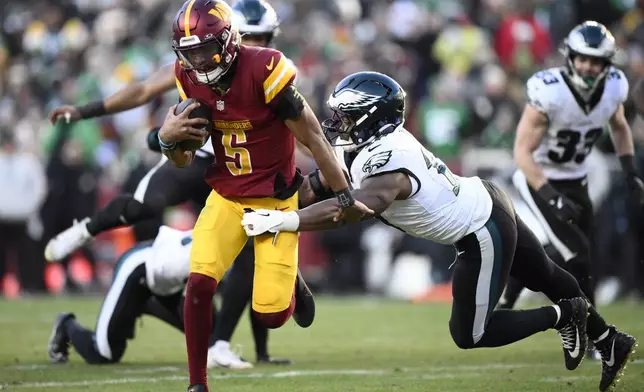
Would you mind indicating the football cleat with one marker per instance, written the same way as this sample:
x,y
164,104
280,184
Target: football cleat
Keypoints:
x,y
615,351
573,334
304,312
197,388
68,241
220,355
267,359
58,347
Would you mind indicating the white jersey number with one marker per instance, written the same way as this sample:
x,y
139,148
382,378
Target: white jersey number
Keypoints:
x,y
432,162
567,140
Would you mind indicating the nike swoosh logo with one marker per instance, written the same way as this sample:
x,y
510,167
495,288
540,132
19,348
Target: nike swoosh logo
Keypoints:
x,y
575,353
461,252
270,66
373,148
611,362
263,214
281,209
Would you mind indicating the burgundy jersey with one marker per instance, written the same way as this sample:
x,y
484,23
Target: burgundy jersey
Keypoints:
x,y
254,150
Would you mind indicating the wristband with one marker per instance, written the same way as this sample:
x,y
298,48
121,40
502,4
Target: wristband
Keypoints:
x,y
165,146
345,198
92,109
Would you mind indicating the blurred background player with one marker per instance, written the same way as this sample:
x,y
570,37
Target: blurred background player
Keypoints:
x,y
166,185
149,279
569,109
257,114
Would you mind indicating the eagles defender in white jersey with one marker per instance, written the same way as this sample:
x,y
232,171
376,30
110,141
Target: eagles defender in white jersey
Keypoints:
x,y
568,109
413,190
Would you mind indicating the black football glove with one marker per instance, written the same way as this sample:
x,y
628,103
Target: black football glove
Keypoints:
x,y
565,209
633,181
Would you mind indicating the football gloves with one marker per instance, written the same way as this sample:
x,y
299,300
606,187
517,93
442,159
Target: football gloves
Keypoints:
x,y
565,209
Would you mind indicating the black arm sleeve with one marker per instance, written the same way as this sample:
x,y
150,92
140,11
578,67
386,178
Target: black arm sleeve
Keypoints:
x,y
153,139
289,104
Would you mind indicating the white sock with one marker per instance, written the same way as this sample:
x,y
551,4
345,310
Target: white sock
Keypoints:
x,y
602,336
558,310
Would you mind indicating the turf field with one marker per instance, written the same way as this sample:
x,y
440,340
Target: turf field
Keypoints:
x,y
354,345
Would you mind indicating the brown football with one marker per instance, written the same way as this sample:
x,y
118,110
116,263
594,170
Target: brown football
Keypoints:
x,y
203,111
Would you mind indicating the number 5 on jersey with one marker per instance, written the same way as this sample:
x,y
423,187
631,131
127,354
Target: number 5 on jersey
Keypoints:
x,y
241,164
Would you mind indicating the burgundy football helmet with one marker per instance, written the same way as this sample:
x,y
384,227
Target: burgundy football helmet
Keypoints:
x,y
205,39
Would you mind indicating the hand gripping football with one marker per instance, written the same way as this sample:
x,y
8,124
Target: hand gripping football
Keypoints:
x,y
203,111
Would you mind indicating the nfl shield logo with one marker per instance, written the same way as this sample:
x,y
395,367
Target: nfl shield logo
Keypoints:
x,y
220,105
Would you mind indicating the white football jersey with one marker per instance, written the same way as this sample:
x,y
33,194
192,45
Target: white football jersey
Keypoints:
x,y
442,207
574,125
168,264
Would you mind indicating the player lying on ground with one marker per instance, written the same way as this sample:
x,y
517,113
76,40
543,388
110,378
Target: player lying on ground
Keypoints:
x,y
257,113
166,185
411,189
148,279
568,109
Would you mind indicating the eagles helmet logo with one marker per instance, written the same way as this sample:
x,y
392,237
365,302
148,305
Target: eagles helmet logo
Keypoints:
x,y
349,98
376,161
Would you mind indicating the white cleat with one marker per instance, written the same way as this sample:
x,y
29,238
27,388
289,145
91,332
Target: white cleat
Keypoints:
x,y
220,355
68,241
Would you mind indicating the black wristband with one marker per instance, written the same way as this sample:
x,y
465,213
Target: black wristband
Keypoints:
x,y
628,164
345,198
316,186
92,109
547,192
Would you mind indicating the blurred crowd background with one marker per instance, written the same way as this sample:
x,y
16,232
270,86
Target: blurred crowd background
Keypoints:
x,y
463,64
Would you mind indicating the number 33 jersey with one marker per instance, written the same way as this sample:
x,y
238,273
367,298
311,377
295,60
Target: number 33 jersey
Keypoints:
x,y
574,124
442,207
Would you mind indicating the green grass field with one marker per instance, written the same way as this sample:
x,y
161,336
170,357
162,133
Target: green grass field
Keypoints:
x,y
354,345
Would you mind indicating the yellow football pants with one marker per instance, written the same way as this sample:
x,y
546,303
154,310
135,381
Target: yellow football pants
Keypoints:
x,y
218,238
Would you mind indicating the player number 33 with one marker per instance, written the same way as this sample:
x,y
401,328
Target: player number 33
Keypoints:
x,y
241,164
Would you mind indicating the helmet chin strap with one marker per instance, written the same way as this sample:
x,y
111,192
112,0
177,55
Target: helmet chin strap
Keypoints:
x,y
379,132
582,86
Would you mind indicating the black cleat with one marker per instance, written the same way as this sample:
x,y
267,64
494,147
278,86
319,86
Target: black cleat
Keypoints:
x,y
58,347
268,360
573,334
304,312
615,350
197,388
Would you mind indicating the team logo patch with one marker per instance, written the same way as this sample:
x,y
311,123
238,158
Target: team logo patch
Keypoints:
x,y
220,105
376,161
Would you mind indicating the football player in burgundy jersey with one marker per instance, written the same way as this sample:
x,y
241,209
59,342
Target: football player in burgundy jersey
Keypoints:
x,y
166,185
257,113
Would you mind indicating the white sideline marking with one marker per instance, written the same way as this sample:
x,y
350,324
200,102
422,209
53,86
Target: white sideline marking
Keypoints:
x,y
568,378
295,373
301,373
152,370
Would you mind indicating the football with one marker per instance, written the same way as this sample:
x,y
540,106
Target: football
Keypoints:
x,y
203,111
